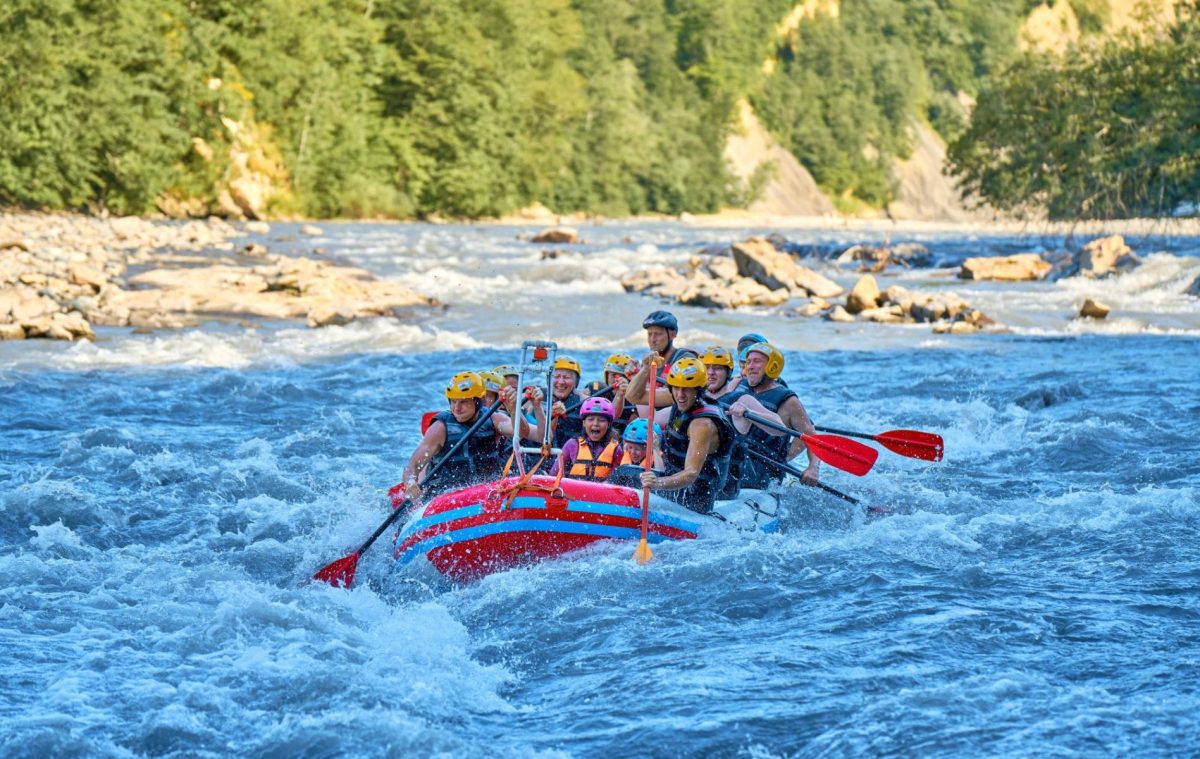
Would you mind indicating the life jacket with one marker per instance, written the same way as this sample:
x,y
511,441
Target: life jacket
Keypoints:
x,y
702,493
595,469
569,426
753,473
737,457
476,461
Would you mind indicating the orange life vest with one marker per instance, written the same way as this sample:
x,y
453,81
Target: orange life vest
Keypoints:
x,y
584,467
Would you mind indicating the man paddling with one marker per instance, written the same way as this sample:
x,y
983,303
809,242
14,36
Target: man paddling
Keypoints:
x,y
477,461
762,363
724,389
661,329
697,443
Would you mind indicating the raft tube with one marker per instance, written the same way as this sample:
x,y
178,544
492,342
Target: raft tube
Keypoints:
x,y
469,533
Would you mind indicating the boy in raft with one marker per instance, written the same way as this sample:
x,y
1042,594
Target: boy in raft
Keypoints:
x,y
696,445
594,454
634,440
476,461
762,363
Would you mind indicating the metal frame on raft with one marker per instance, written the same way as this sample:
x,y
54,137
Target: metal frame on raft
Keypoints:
x,y
537,361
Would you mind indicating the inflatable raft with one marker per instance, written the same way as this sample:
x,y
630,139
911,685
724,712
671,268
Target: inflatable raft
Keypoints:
x,y
494,526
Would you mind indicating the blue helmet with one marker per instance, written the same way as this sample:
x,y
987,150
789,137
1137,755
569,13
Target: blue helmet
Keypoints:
x,y
748,339
636,432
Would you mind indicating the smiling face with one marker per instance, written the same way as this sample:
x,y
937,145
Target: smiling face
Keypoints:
x,y
564,383
685,397
595,426
754,368
717,376
635,452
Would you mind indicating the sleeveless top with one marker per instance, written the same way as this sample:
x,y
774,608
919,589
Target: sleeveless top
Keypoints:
x,y
702,493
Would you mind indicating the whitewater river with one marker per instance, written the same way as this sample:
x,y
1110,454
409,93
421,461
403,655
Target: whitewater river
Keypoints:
x,y
163,498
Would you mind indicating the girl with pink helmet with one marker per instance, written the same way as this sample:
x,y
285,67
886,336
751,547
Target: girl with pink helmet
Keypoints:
x,y
594,454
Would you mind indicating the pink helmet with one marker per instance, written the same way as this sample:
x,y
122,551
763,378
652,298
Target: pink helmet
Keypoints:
x,y
597,406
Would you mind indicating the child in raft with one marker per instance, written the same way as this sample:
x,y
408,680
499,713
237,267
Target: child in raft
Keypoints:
x,y
594,454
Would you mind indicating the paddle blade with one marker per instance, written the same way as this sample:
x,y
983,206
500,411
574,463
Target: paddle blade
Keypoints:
x,y
913,443
339,574
427,420
842,453
643,554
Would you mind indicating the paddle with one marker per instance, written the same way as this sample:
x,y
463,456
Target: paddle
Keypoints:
x,y
340,573
598,394
643,553
799,473
912,443
847,455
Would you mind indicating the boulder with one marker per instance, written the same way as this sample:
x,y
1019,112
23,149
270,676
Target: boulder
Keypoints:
x,y
1106,255
839,314
330,316
708,292
257,227
312,230
1021,267
1093,309
11,331
883,315
82,274
865,295
760,260
557,235
1194,288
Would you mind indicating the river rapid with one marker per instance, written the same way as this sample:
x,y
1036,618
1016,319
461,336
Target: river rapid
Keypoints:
x,y
164,497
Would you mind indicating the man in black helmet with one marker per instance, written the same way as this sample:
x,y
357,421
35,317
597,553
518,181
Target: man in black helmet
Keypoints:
x,y
661,328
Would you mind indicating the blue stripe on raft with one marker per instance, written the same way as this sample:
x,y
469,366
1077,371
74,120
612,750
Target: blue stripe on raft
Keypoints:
x,y
524,525
446,516
633,512
524,502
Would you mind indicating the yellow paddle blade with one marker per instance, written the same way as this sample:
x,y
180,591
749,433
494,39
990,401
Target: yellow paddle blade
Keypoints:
x,y
643,554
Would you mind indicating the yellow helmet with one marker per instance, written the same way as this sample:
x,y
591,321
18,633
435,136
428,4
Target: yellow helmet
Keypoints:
x,y
617,362
465,385
687,372
505,370
716,355
492,382
774,356
568,363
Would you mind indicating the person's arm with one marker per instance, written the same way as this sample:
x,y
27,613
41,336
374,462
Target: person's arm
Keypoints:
x,y
749,403
703,439
430,445
619,388
793,414
635,391
566,457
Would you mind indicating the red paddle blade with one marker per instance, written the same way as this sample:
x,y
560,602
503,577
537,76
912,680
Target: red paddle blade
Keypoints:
x,y
427,420
339,574
913,443
843,453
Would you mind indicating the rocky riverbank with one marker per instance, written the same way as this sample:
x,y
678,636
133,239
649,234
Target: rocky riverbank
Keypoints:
x,y
62,275
776,274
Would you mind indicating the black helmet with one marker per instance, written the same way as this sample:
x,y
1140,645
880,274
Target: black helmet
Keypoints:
x,y
664,319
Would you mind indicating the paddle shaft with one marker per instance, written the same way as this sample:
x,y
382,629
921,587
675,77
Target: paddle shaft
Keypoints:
x,y
403,507
798,473
598,394
648,461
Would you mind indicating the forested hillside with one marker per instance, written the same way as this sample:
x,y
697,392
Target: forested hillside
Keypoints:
x,y
467,108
